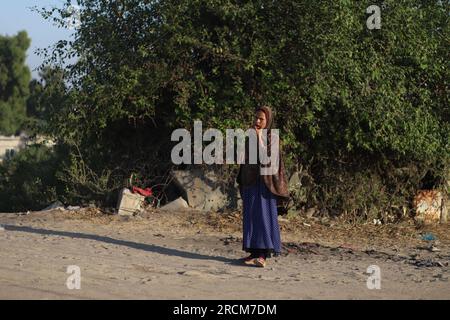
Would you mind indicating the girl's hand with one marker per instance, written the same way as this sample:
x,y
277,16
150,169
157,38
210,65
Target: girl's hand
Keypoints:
x,y
258,132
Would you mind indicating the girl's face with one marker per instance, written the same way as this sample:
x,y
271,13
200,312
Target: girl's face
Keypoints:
x,y
260,120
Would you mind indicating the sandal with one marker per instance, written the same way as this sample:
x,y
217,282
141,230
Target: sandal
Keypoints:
x,y
250,260
260,262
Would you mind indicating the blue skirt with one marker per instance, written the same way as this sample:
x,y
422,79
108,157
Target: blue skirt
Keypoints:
x,y
260,221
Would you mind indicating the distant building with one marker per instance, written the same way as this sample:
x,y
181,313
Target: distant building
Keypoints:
x,y
11,145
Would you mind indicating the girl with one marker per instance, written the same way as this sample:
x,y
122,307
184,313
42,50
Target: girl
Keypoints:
x,y
259,194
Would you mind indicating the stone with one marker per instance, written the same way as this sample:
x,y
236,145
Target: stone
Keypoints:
x,y
73,208
310,212
429,205
130,203
202,189
57,205
177,205
434,249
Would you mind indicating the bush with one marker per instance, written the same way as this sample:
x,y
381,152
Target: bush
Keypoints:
x,y
28,180
365,112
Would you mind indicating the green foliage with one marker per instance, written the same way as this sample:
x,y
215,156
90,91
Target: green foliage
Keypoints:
x,y
14,79
47,98
84,186
355,106
27,180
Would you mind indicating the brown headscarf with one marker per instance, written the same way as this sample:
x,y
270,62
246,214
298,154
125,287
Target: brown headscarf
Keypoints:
x,y
249,173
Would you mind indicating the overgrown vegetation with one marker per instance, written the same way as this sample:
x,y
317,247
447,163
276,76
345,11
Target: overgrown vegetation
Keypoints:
x,y
14,79
364,112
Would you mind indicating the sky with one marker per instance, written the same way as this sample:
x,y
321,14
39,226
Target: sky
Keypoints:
x,y
16,15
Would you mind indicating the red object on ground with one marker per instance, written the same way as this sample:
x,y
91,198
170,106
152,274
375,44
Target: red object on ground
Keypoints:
x,y
143,192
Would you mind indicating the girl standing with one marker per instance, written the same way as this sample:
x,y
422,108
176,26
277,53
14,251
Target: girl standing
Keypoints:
x,y
260,193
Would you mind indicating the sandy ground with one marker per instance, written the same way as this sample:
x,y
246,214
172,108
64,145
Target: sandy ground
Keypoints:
x,y
194,255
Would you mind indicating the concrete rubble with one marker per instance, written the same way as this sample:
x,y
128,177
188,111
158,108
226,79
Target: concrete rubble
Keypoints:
x,y
202,189
57,205
177,205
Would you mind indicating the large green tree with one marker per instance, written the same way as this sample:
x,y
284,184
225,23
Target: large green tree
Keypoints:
x,y
47,95
365,111
14,79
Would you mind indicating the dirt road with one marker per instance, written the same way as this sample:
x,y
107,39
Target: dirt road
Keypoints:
x,y
161,255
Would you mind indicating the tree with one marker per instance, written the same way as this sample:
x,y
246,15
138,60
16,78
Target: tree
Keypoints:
x,y
47,96
365,111
14,79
